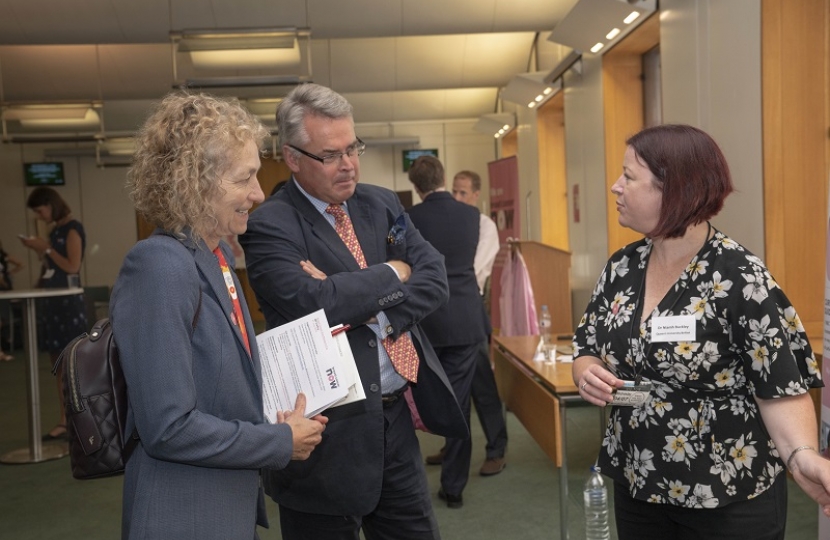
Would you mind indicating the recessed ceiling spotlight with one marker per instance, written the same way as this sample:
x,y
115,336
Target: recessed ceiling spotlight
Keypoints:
x,y
631,17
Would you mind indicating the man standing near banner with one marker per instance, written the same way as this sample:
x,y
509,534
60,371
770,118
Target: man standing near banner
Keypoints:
x,y
459,328
466,188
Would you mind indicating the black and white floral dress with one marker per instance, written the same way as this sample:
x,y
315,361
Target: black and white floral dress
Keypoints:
x,y
699,440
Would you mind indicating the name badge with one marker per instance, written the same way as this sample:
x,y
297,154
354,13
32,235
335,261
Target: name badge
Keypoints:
x,y
677,328
632,394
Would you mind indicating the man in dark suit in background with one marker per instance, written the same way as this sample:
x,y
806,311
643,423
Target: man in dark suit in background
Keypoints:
x,y
325,241
457,329
466,188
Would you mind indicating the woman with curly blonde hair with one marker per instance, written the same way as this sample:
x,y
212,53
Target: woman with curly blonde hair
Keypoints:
x,y
185,335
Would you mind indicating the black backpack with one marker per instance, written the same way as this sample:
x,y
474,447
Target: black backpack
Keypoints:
x,y
95,397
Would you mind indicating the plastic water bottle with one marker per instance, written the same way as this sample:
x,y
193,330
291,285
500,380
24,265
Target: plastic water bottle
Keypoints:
x,y
596,507
544,331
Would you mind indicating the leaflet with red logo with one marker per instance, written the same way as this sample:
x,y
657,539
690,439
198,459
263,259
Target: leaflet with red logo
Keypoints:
x,y
304,356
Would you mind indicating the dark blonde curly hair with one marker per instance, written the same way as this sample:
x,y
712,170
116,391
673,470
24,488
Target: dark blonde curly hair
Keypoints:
x,y
182,151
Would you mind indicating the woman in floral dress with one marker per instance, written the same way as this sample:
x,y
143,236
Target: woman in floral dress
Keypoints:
x,y
716,352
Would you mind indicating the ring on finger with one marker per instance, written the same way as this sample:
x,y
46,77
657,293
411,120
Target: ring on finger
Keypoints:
x,y
584,385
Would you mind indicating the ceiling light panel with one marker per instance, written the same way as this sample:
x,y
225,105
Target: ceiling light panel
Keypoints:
x,y
595,25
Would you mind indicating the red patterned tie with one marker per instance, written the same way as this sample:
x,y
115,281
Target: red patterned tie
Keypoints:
x,y
401,351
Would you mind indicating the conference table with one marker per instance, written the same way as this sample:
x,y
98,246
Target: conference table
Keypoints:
x,y
539,393
37,451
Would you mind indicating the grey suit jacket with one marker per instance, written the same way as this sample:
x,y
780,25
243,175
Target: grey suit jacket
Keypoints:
x,y
343,475
194,398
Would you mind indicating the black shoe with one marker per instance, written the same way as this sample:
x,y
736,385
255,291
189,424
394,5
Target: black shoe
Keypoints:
x,y
62,434
453,501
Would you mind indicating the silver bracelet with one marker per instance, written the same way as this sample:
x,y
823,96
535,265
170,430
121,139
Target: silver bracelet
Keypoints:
x,y
794,452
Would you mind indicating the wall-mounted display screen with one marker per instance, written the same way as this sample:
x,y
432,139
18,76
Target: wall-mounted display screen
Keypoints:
x,y
411,155
44,173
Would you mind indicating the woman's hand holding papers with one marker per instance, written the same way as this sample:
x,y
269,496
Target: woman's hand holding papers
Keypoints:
x,y
307,432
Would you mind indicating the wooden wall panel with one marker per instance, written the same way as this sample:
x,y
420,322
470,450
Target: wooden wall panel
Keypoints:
x,y
622,94
510,144
553,186
795,62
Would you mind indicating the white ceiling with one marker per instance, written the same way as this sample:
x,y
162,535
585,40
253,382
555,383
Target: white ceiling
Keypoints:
x,y
396,60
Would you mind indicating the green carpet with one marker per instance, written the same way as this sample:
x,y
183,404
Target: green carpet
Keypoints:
x,y
43,502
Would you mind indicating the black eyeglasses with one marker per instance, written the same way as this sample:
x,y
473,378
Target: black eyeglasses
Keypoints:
x,y
356,149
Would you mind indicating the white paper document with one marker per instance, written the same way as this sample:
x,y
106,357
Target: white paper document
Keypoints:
x,y
303,356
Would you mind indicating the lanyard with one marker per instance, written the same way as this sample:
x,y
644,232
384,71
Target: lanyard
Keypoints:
x,y
236,316
645,352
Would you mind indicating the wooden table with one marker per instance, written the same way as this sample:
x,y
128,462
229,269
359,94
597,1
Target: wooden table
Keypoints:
x,y
37,451
539,394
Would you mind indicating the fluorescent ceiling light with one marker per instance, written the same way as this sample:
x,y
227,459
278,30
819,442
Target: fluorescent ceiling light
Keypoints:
x,y
596,48
240,48
264,108
248,58
241,57
89,119
496,124
631,17
241,81
612,34
588,22
57,115
120,146
529,88
46,112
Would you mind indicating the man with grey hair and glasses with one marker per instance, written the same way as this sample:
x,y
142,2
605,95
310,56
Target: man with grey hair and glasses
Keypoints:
x,y
327,241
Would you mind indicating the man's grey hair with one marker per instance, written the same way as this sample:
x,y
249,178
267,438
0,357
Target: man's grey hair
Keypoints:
x,y
308,99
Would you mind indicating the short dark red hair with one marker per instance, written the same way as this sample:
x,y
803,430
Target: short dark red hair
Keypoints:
x,y
690,169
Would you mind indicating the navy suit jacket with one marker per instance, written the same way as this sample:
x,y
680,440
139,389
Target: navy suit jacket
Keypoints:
x,y
452,228
344,473
195,397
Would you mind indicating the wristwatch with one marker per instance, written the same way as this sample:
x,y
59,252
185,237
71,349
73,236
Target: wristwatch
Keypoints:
x,y
48,251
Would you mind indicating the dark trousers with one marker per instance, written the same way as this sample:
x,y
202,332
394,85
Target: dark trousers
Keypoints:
x,y
488,404
459,364
404,511
761,518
